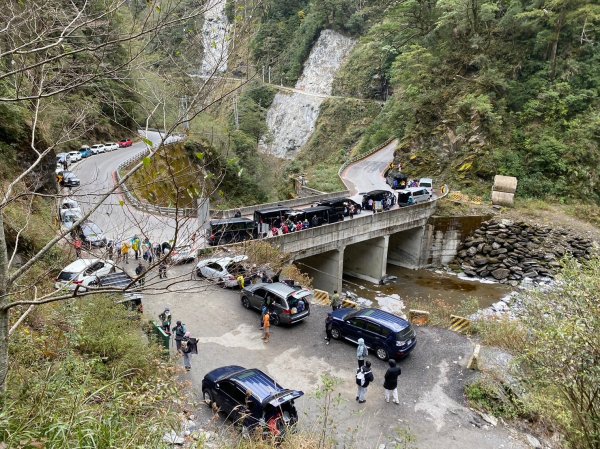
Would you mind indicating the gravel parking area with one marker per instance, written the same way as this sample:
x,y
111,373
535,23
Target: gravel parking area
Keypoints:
x,y
432,407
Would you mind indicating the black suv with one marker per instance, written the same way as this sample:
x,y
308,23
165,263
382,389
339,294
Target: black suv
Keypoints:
x,y
251,398
342,205
378,195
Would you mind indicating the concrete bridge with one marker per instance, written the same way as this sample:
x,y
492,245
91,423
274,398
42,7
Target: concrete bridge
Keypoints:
x,y
361,247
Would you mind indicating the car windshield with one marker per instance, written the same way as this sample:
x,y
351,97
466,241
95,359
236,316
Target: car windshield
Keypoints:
x,y
66,276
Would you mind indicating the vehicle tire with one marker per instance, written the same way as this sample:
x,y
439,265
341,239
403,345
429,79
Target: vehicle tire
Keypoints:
x,y
246,302
336,334
381,354
275,319
199,273
207,396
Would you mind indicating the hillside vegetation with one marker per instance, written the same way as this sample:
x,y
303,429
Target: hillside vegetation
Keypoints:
x,y
486,87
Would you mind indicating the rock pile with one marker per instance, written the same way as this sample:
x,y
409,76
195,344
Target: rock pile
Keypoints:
x,y
508,252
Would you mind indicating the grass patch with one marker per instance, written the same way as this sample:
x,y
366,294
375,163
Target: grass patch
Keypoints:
x,y
586,212
506,334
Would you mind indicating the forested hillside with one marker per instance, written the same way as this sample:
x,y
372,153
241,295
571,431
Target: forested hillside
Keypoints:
x,y
474,87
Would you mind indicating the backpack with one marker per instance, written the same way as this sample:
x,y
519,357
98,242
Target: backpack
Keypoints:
x,y
360,377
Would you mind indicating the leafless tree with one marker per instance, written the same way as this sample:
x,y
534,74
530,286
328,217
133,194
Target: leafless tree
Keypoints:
x,y
66,50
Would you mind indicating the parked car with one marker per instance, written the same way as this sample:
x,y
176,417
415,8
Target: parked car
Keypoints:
x,y
231,230
125,143
185,253
388,335
67,205
377,195
413,195
397,180
68,179
75,156
322,215
82,272
98,148
223,270
62,158
251,398
284,300
85,152
70,217
426,183
110,146
342,205
91,234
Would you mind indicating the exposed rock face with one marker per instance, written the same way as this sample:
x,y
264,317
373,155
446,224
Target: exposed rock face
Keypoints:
x,y
508,252
292,117
214,39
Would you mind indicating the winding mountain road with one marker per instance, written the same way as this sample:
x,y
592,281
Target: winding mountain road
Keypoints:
x,y
118,219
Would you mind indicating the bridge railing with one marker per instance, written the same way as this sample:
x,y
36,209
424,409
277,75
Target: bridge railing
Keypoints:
x,y
367,224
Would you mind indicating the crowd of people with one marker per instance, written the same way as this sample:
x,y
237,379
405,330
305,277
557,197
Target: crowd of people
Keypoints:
x,y
138,248
285,226
185,344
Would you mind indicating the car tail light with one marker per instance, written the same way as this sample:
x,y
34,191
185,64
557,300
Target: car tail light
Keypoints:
x,y
287,312
78,282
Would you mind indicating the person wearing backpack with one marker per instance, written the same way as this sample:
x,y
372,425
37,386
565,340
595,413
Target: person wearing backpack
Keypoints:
x,y
189,346
361,352
364,376
179,331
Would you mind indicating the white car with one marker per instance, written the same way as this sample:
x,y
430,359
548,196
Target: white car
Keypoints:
x,y
223,270
82,272
75,156
69,205
62,157
97,149
111,147
184,254
70,217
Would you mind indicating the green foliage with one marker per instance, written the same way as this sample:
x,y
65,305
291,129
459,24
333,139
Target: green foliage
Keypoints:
x,y
495,397
511,88
83,376
561,358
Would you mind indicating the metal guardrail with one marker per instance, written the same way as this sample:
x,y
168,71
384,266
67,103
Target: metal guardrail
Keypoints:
x,y
142,205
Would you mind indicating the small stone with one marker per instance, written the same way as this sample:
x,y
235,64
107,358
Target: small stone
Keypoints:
x,y
501,273
533,442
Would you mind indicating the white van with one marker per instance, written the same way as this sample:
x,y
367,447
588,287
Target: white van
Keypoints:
x,y
427,183
413,195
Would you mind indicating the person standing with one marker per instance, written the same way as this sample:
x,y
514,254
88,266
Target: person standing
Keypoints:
x,y
179,331
189,346
118,247
162,269
125,252
361,352
111,249
335,302
266,327
328,327
390,381
135,246
364,376
351,211
139,272
78,244
165,321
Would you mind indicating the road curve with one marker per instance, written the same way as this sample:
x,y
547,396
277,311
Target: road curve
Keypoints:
x,y
367,174
118,220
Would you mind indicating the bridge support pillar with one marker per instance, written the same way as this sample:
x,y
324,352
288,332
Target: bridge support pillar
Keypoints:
x,y
367,260
326,269
407,248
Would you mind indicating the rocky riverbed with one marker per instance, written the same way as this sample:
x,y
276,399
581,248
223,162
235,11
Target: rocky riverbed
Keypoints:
x,y
509,252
